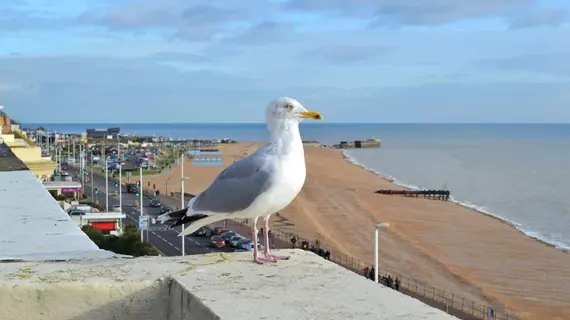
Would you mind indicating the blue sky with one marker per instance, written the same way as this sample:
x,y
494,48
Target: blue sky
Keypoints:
x,y
225,60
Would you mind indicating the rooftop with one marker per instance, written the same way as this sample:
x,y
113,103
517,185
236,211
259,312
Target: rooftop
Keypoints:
x,y
34,226
53,185
9,161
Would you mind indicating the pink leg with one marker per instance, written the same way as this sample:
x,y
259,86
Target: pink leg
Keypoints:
x,y
257,259
267,253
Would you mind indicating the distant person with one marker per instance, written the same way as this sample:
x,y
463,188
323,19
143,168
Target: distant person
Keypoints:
x,y
327,254
313,249
366,272
390,281
397,284
294,242
157,193
321,252
371,273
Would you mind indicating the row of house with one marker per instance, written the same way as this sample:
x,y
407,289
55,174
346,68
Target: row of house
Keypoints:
x,y
43,167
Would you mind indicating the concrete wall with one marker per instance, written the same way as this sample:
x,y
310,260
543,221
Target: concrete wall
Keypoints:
x,y
200,287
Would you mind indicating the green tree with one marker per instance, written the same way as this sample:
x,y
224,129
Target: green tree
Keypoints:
x,y
128,243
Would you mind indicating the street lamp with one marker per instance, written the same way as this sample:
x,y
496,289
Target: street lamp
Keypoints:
x,y
379,225
182,204
120,180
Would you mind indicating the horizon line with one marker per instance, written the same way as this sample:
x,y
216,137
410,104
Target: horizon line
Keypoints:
x,y
263,123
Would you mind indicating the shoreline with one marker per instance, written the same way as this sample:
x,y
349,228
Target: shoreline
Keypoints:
x,y
393,180
451,247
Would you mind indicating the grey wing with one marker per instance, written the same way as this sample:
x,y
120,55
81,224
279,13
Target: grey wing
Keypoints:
x,y
237,187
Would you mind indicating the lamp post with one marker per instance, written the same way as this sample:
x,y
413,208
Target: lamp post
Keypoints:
x,y
91,177
82,168
182,205
120,180
106,186
141,200
379,225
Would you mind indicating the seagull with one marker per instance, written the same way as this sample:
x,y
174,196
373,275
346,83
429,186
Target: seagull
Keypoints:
x,y
258,185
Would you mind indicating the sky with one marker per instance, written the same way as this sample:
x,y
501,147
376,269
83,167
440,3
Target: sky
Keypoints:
x,y
120,61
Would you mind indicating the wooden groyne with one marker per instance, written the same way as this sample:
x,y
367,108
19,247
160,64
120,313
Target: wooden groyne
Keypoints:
x,y
428,194
368,143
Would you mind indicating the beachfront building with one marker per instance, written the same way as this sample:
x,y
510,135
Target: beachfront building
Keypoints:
x,y
25,149
107,222
59,188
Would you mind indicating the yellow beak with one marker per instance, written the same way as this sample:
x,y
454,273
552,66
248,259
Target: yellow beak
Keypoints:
x,y
312,115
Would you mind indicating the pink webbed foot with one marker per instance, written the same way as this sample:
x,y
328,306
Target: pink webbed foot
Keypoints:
x,y
276,258
261,260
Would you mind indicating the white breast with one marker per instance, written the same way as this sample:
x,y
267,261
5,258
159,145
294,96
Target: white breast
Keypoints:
x,y
290,174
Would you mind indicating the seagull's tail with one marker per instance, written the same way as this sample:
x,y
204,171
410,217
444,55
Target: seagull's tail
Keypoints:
x,y
172,216
200,220
195,220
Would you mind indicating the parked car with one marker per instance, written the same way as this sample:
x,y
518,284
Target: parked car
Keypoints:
x,y
155,203
165,209
234,241
217,242
202,232
227,236
220,230
247,244
76,212
117,208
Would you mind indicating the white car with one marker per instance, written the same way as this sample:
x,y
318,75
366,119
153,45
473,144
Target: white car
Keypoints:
x,y
247,244
235,241
116,208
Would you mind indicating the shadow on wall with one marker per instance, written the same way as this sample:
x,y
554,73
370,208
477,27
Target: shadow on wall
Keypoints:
x,y
160,299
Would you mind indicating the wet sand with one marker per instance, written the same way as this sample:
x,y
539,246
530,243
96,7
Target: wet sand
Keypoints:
x,y
450,247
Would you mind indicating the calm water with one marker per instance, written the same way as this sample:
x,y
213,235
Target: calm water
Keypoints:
x,y
517,172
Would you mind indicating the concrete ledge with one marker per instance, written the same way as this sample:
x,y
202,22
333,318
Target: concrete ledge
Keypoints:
x,y
35,226
213,286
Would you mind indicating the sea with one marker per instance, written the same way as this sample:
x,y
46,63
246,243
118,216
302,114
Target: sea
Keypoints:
x,y
519,173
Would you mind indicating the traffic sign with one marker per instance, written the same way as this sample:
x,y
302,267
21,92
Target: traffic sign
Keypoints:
x,y
143,223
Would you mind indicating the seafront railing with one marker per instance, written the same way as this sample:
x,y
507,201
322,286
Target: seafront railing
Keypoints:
x,y
456,305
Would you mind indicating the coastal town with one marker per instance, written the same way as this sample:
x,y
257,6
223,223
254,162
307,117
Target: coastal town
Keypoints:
x,y
114,185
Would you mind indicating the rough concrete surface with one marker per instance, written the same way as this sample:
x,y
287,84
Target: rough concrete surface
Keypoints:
x,y
213,286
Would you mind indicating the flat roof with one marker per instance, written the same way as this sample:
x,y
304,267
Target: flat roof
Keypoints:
x,y
50,185
34,227
9,161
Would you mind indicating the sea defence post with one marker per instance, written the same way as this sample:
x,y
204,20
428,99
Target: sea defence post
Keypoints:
x,y
427,194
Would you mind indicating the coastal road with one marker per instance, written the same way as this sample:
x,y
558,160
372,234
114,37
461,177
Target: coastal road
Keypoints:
x,y
166,241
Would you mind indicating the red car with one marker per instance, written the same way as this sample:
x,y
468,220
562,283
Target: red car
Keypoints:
x,y
217,242
220,230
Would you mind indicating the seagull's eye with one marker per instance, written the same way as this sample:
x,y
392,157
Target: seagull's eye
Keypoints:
x,y
289,107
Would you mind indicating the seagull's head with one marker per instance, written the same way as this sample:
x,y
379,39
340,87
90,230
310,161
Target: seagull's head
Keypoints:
x,y
288,109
